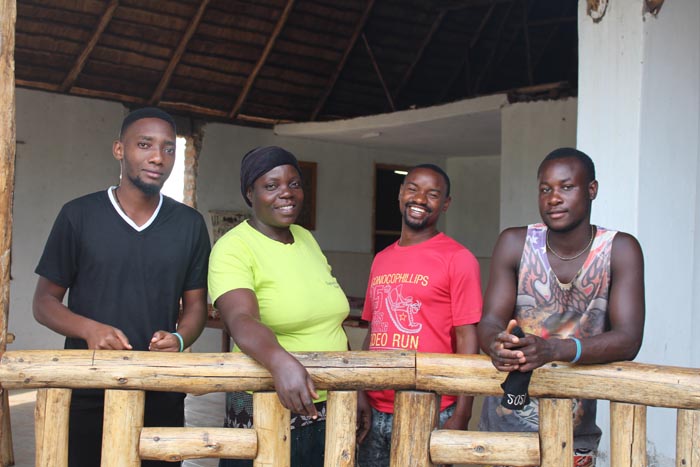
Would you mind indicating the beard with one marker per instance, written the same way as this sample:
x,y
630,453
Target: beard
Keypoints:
x,y
416,225
146,188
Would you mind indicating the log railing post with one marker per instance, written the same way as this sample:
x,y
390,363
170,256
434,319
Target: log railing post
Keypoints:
x,y
628,435
8,17
271,421
51,414
123,421
341,419
415,417
687,436
556,433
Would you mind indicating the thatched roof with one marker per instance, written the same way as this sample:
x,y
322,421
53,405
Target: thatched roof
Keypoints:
x,y
295,60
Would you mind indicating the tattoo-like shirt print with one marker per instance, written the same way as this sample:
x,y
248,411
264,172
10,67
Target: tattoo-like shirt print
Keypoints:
x,y
548,308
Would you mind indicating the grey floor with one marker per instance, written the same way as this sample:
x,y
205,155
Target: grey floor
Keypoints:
x,y
206,410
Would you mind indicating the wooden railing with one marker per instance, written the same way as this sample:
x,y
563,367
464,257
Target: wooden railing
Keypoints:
x,y
417,378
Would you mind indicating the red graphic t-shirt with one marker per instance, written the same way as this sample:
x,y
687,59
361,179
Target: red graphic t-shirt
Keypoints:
x,y
416,295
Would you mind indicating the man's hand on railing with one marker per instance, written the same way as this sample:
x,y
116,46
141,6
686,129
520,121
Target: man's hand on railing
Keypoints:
x,y
364,416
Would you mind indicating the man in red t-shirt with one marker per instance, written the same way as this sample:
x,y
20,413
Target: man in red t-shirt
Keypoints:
x,y
424,294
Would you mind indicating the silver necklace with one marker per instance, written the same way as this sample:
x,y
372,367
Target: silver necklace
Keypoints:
x,y
569,258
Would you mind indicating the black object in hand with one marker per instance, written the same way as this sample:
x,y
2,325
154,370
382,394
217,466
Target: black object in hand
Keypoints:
x,y
515,396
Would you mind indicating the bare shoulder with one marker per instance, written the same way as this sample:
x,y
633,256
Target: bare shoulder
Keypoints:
x,y
626,248
511,242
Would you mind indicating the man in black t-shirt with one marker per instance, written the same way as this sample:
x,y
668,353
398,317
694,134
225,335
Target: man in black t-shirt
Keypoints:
x,y
129,256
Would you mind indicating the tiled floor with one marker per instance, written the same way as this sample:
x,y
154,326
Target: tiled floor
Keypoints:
x,y
206,410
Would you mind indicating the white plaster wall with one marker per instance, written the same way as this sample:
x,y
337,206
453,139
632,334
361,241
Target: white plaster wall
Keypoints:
x,y
473,216
669,143
638,118
64,150
530,132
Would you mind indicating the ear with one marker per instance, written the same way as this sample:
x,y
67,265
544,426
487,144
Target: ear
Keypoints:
x,y
118,150
593,190
446,204
400,192
249,195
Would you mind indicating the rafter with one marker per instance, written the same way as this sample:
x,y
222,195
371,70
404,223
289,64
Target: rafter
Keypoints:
x,y
526,33
261,61
336,74
465,63
511,40
72,75
426,40
177,55
379,72
489,62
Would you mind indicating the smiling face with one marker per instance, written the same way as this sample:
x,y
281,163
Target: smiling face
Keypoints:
x,y
146,152
422,198
276,197
565,193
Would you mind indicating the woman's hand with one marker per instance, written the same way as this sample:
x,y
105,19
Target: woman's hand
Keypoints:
x,y
294,386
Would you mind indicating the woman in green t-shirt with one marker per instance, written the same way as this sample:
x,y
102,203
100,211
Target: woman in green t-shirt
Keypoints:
x,y
273,287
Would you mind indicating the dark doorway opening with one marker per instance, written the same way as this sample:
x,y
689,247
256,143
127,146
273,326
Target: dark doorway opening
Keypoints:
x,y
387,218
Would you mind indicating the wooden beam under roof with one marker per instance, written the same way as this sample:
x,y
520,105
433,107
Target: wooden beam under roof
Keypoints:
x,y
419,54
465,63
177,55
379,72
528,53
261,61
72,75
489,62
336,74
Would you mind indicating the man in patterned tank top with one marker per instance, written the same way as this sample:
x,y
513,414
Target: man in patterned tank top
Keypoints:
x,y
576,290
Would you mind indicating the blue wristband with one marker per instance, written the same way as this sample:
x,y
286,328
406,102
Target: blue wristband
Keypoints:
x,y
182,343
578,350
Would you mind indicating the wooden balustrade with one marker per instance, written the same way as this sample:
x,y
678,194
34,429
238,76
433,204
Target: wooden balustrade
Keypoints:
x,y
416,377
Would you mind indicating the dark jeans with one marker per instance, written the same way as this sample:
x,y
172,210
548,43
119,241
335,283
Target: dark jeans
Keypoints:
x,y
375,450
308,445
85,425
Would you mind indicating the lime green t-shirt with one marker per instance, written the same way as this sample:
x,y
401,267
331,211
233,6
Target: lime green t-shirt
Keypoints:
x,y
299,299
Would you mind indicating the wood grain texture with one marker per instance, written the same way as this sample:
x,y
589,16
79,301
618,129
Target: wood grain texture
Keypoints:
x,y
687,436
476,447
628,435
341,419
123,421
177,444
415,416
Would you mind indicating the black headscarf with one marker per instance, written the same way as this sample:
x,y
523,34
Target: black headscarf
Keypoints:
x,y
261,160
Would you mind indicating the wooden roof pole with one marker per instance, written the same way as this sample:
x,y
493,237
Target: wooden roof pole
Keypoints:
x,y
261,61
465,62
492,55
177,55
8,18
72,75
426,40
379,73
336,74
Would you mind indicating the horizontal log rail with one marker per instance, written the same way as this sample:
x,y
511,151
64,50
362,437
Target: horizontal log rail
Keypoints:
x,y
201,373
416,376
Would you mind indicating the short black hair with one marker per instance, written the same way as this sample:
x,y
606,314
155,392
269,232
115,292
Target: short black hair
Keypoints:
x,y
436,169
563,153
146,112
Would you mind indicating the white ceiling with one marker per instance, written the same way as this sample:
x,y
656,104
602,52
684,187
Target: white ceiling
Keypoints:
x,y
465,128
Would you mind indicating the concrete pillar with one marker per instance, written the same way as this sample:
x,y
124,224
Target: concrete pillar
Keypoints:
x,y
638,107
